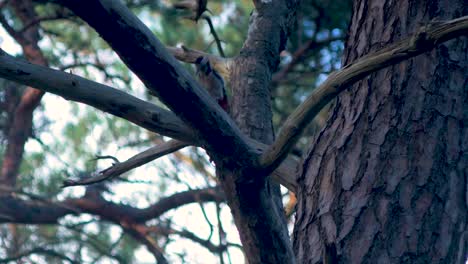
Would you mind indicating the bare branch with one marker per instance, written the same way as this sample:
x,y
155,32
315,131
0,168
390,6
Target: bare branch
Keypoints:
x,y
179,199
134,162
44,211
424,40
103,97
215,35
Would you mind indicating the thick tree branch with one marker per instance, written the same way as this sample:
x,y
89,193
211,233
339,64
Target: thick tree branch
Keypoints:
x,y
134,162
254,200
425,39
42,211
103,97
164,76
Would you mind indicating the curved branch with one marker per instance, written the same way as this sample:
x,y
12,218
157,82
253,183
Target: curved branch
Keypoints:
x,y
191,196
424,40
43,211
215,35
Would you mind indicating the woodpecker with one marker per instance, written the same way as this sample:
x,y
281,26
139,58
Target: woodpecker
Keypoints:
x,y
212,81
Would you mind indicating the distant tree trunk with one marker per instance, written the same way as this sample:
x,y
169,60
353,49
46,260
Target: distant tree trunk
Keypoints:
x,y
385,181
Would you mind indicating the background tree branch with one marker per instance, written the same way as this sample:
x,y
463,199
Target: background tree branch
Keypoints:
x,y
42,211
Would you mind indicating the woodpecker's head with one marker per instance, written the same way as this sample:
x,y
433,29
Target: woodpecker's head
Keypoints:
x,y
203,65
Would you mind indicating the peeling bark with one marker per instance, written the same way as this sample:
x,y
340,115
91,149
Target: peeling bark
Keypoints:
x,y
385,181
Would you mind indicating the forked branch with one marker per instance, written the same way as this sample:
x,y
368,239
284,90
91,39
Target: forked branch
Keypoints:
x,y
425,39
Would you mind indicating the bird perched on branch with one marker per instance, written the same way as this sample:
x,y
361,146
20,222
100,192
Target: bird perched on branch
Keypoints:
x,y
212,81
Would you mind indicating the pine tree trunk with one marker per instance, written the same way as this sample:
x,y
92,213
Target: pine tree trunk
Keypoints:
x,y
386,180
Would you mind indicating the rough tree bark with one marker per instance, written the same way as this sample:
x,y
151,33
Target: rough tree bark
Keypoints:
x,y
255,201
385,181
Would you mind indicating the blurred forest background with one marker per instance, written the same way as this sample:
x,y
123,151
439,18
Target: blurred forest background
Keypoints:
x,y
70,140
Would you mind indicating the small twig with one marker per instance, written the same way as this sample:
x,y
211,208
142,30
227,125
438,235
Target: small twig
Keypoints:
x,y
205,215
100,67
221,234
215,35
10,30
189,235
107,157
38,20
